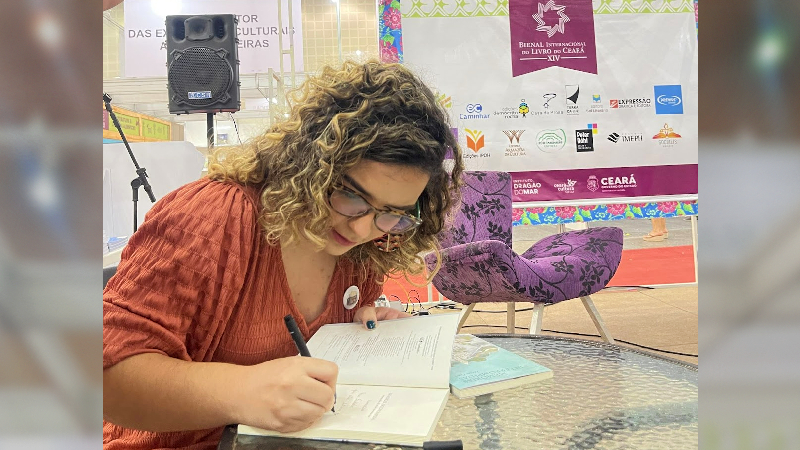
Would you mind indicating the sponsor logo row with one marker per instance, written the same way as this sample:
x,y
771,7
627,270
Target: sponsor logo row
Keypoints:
x,y
666,99
594,183
553,140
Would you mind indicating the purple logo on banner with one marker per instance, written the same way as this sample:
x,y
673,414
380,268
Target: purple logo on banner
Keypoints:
x,y
552,33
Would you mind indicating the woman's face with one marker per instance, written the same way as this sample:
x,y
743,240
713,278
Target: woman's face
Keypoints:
x,y
385,187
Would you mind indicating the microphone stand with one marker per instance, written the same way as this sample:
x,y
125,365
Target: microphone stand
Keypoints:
x,y
141,179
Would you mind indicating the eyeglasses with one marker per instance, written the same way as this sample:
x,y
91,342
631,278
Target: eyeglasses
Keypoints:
x,y
351,204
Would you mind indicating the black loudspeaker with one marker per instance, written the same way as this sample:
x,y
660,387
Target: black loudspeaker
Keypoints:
x,y
202,64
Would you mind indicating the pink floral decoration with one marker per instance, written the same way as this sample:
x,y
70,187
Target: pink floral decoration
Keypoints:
x,y
616,209
565,212
389,53
392,19
667,207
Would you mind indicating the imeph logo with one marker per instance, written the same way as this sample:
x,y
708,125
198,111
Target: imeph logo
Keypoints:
x,y
475,140
513,135
625,138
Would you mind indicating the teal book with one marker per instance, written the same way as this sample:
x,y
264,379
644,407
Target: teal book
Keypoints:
x,y
479,367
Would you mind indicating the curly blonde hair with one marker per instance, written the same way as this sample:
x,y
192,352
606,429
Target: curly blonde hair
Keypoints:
x,y
372,111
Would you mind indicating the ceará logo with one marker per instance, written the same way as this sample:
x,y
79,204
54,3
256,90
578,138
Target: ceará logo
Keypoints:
x,y
669,100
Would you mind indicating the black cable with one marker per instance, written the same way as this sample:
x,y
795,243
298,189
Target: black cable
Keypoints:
x,y
587,335
235,127
610,288
501,312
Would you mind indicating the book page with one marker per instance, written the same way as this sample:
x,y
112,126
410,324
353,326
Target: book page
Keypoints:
x,y
413,351
380,414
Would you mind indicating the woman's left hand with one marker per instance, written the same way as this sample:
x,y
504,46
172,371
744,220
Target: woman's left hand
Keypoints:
x,y
370,315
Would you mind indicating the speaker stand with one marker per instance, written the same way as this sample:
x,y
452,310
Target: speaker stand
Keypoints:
x,y
210,130
135,184
141,172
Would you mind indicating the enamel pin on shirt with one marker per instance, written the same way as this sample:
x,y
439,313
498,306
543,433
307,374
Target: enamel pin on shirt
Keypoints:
x,y
350,298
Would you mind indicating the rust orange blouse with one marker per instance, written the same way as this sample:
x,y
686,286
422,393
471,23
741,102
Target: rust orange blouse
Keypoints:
x,y
199,282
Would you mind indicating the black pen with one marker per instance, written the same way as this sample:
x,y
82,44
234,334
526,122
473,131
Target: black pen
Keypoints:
x,y
297,337
443,445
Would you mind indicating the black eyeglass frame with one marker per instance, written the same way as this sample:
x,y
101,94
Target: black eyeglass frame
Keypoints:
x,y
415,218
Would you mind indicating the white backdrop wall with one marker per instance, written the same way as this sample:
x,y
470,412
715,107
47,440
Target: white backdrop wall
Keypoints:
x,y
169,165
628,130
257,31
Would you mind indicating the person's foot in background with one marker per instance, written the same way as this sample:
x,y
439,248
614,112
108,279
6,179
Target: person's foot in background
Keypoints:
x,y
659,231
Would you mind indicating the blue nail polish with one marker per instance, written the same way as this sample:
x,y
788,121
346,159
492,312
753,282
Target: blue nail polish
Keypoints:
x,y
371,324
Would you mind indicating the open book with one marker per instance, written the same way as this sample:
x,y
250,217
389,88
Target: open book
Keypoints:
x,y
393,381
481,368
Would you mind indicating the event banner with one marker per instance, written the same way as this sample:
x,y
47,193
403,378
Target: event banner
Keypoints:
x,y
578,100
257,31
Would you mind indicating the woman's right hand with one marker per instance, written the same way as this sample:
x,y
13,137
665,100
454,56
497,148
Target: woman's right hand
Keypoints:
x,y
286,394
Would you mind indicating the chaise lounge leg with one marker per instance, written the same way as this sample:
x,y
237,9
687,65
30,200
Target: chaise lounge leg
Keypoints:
x,y
598,321
464,315
511,321
536,319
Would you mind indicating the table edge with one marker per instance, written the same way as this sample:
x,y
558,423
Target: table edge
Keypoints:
x,y
606,345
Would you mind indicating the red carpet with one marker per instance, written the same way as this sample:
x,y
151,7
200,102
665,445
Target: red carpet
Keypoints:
x,y
663,265
639,267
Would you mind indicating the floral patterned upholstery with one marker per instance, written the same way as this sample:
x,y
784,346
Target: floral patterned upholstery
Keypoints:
x,y
485,211
478,264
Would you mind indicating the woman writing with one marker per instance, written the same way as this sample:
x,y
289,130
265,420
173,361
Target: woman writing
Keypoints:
x,y
351,187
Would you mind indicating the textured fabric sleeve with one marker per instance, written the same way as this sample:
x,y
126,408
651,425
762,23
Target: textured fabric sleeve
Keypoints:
x,y
371,290
180,275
